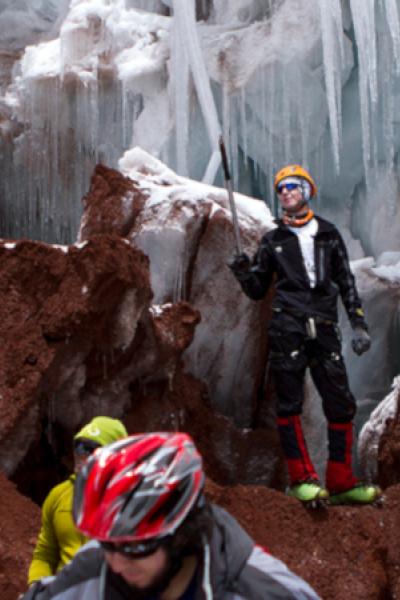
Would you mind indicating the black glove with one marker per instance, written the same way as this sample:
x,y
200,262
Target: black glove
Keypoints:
x,y
240,265
361,341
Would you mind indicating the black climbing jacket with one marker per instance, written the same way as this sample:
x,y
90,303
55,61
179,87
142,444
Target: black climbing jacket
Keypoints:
x,y
280,255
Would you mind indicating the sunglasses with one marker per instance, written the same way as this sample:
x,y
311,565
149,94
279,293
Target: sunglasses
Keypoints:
x,y
288,186
134,549
85,447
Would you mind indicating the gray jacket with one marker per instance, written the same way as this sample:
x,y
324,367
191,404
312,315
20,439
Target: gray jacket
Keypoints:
x,y
233,568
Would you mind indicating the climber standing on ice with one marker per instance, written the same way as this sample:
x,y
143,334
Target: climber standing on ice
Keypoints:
x,y
308,259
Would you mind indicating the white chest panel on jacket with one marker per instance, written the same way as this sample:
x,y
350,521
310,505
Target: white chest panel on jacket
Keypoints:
x,y
306,236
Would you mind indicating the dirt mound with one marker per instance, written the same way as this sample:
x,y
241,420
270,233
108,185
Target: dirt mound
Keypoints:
x,y
343,552
20,522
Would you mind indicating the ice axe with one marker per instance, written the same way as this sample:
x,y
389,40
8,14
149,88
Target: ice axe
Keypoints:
x,y
229,189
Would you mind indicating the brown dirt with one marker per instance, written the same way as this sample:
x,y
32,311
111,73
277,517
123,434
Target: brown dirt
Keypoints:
x,y
182,403
42,308
343,552
112,204
19,524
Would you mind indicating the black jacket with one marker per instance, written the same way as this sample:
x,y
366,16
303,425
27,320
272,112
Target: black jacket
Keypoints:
x,y
279,254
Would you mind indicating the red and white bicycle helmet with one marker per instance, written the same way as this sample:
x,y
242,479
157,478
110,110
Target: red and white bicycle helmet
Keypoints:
x,y
139,488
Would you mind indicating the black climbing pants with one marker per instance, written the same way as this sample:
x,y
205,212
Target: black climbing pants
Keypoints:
x,y
293,350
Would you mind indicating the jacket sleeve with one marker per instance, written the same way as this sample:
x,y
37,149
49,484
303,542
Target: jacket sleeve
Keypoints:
x,y
256,283
79,579
46,553
264,576
344,278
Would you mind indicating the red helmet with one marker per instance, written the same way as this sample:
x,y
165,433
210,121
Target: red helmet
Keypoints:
x,y
139,488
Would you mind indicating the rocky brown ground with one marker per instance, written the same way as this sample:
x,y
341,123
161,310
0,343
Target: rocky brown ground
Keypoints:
x,y
343,552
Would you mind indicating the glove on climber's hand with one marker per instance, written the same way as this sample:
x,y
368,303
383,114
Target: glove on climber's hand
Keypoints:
x,y
240,265
361,341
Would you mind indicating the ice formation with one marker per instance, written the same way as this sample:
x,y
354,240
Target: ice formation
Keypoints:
x,y
368,442
287,81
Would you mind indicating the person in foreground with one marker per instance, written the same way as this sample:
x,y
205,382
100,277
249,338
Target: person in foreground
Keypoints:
x,y
307,259
59,539
157,537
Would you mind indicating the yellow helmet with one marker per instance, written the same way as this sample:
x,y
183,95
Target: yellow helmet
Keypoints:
x,y
295,171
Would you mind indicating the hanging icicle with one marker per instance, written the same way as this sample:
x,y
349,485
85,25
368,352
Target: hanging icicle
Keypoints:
x,y
333,53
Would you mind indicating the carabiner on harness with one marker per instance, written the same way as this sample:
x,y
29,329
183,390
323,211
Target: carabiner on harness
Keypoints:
x,y
311,328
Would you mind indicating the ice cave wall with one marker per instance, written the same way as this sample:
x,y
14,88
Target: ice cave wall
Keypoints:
x,y
313,82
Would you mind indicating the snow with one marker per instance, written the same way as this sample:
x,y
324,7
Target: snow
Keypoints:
x,y
163,185
63,249
158,309
390,273
81,245
43,60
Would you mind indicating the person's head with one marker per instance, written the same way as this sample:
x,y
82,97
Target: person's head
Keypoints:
x,y
100,431
141,498
294,187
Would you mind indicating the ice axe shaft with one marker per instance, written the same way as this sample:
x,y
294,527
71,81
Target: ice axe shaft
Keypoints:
x,y
229,188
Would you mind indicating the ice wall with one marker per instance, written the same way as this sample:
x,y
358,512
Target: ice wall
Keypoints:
x,y
23,23
314,82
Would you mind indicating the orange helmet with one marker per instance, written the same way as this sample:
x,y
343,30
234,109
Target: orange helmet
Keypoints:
x,y
295,171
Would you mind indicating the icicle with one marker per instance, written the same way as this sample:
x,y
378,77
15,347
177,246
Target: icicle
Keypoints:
x,y
184,13
332,37
363,13
179,285
243,122
286,112
212,168
180,65
392,17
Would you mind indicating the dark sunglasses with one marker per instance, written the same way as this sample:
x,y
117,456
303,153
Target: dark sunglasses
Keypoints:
x,y
133,549
288,186
85,447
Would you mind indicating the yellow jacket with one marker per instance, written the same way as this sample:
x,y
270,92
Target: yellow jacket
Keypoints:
x,y
58,539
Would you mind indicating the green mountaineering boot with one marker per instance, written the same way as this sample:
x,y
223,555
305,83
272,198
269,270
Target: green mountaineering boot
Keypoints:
x,y
308,492
359,494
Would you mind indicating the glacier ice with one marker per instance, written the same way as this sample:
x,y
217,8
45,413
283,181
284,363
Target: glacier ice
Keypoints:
x,y
25,22
286,81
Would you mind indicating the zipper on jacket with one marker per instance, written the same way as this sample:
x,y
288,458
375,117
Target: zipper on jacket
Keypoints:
x,y
321,262
206,572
